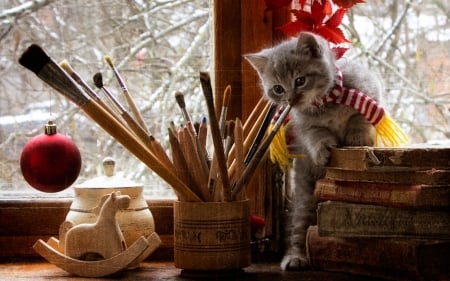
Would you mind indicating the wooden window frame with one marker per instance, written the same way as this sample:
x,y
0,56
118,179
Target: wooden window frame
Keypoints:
x,y
240,27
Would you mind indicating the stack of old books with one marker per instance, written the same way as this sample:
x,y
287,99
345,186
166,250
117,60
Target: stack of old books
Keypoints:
x,y
384,212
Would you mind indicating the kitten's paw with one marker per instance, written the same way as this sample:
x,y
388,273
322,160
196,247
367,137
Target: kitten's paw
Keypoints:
x,y
294,262
323,153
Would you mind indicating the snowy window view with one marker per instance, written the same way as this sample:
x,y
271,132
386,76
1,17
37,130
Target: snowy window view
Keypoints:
x,y
159,47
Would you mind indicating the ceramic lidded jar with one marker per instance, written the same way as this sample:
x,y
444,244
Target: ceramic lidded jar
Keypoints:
x,y
135,221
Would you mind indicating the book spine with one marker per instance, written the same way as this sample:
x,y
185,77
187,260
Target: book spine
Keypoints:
x,y
399,259
428,177
415,196
363,220
387,159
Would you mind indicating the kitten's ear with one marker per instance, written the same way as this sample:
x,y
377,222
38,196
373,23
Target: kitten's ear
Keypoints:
x,y
258,61
308,46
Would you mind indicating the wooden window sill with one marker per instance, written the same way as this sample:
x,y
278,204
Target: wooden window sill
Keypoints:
x,y
24,221
167,271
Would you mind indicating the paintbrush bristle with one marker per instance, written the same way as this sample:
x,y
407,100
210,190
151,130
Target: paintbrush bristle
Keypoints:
x,y
34,58
98,80
109,61
226,96
66,66
204,76
179,97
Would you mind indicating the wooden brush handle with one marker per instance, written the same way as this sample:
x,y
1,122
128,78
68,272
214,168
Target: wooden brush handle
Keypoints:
x,y
135,111
215,133
135,146
256,112
248,140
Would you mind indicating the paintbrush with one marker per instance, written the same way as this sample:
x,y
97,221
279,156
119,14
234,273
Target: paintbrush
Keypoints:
x,y
179,97
155,145
230,136
249,137
75,76
224,110
134,126
254,115
37,61
130,101
261,132
239,151
205,81
67,68
259,154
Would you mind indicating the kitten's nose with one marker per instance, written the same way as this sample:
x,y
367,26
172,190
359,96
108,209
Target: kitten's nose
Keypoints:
x,y
294,99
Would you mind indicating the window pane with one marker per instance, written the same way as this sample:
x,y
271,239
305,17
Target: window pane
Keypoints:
x,y
408,44
158,46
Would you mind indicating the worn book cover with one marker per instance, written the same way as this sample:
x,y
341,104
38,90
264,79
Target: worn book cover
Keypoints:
x,y
391,258
390,158
343,219
388,194
429,177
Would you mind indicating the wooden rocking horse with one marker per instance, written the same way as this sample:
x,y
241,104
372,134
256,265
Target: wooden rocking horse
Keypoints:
x,y
102,239
96,249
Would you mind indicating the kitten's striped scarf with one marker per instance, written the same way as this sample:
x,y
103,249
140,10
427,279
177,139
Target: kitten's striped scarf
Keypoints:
x,y
388,132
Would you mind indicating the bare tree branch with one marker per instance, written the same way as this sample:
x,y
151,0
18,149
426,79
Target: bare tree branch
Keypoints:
x,y
29,6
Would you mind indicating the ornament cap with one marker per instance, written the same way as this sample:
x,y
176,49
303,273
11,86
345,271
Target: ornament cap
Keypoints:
x,y
50,128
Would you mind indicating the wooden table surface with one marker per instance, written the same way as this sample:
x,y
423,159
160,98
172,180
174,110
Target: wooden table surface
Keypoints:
x,y
38,270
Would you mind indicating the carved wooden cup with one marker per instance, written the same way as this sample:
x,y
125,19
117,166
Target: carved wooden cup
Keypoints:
x,y
212,236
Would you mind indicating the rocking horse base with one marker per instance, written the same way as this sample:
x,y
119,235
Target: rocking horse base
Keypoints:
x,y
131,257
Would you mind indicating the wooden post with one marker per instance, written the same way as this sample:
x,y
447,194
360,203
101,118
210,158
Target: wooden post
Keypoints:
x,y
227,54
242,27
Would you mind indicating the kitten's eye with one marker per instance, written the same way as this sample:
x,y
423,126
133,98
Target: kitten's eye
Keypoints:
x,y
278,89
300,81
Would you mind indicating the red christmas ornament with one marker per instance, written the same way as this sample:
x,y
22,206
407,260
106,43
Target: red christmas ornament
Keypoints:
x,y
50,162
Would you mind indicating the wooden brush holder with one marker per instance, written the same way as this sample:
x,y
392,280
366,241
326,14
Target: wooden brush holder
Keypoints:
x,y
212,236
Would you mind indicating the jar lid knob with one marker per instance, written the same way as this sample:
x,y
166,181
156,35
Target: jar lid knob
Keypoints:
x,y
108,166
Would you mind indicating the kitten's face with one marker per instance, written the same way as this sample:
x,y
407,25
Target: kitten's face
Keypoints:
x,y
299,72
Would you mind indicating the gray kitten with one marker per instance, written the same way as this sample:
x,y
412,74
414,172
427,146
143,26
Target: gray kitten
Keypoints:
x,y
300,72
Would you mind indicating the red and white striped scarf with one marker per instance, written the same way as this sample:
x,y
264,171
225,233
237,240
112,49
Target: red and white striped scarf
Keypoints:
x,y
361,102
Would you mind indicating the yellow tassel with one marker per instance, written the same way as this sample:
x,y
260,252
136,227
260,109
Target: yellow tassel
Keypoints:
x,y
279,152
389,133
